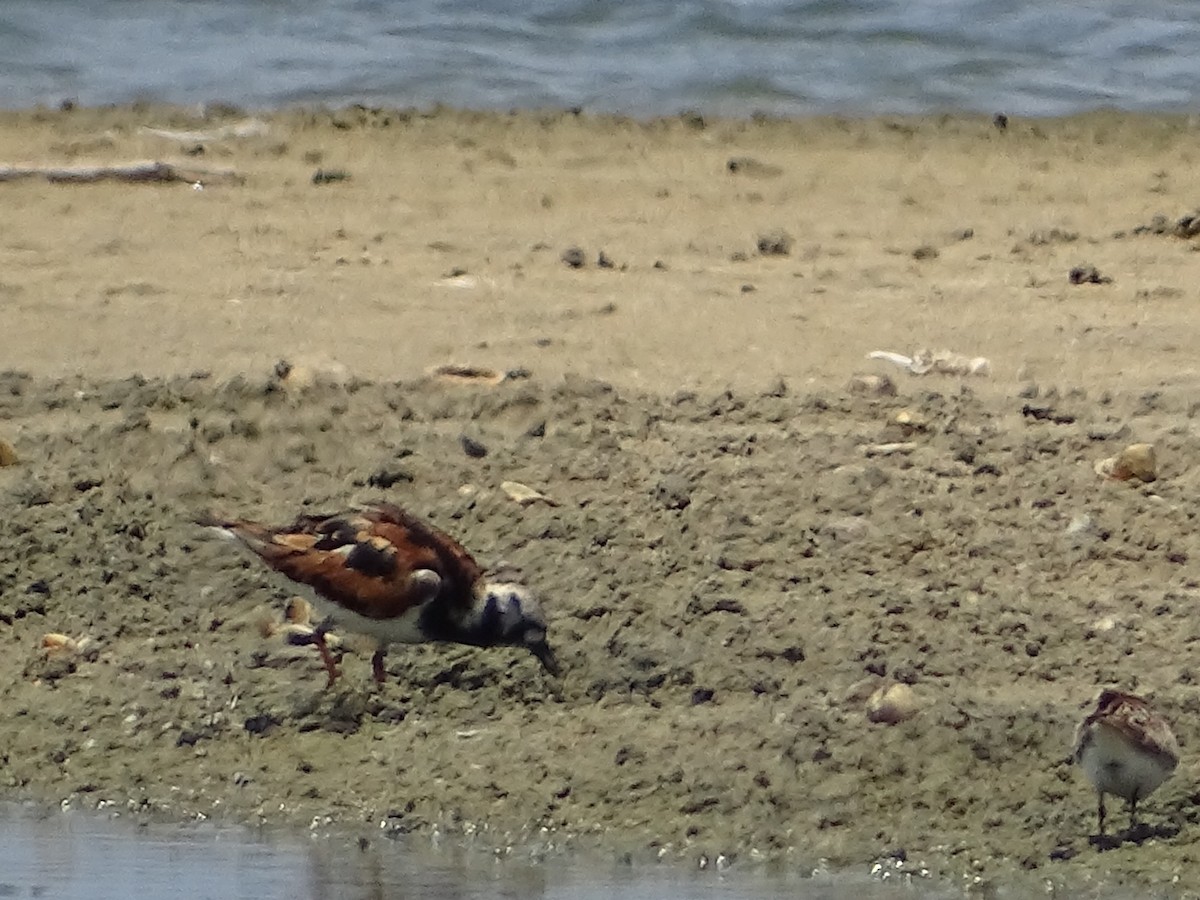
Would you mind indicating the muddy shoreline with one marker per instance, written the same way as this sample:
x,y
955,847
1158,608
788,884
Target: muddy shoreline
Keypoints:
x,y
728,575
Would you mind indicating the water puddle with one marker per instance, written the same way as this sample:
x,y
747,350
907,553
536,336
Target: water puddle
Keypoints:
x,y
77,856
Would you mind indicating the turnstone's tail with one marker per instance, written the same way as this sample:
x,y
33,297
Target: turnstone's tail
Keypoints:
x,y
256,537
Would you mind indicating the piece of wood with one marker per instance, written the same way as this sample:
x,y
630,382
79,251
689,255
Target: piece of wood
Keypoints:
x,y
247,129
153,172
888,449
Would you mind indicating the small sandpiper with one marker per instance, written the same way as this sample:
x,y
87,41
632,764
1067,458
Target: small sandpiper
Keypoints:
x,y
1126,749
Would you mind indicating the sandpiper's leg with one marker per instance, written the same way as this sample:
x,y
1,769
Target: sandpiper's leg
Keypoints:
x,y
326,656
1133,812
1100,811
377,665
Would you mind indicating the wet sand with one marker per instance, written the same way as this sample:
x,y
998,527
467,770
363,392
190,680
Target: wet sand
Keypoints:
x,y
732,566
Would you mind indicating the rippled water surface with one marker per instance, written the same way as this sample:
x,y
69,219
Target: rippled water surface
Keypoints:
x,y
660,56
77,856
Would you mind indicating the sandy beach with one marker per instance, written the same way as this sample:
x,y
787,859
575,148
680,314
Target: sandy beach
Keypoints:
x,y
743,542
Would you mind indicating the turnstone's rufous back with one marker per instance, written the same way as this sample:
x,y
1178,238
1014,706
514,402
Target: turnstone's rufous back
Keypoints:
x,y
1126,749
383,572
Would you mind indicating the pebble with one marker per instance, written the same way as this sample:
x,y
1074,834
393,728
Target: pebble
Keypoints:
x,y
1137,461
871,385
775,243
891,705
524,495
473,448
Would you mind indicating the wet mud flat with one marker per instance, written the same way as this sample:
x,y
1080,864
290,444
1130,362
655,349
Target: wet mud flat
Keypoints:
x,y
729,575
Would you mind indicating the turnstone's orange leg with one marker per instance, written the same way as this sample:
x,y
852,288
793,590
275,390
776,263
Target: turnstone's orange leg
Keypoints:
x,y
377,666
326,656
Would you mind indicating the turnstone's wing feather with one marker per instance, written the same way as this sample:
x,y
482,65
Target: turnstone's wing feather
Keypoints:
x,y
378,561
457,564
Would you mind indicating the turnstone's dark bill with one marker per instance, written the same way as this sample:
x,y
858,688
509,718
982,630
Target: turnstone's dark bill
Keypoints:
x,y
383,572
1126,749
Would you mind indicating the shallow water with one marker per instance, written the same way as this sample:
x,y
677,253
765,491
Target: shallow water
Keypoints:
x,y
76,856
1024,57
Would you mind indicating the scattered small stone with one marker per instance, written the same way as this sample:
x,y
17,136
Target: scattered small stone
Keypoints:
x,y
472,447
748,289
847,529
1000,122
461,374
1186,226
604,261
8,456
889,449
1082,530
1087,275
260,724
1052,236
925,251
53,642
871,385
329,176
1135,462
674,492
1063,853
525,495
384,478
574,257
659,264
1046,412
909,422
775,243
748,165
962,234
891,705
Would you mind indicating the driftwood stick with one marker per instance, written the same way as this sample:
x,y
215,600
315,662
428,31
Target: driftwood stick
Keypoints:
x,y
154,172
247,129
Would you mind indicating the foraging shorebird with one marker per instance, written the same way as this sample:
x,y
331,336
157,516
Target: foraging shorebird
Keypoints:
x,y
1126,749
383,572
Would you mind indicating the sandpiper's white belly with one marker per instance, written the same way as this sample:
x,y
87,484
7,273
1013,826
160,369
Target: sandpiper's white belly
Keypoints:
x,y
1115,765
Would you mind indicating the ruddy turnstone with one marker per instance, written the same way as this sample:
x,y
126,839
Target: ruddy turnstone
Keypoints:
x,y
1125,749
383,572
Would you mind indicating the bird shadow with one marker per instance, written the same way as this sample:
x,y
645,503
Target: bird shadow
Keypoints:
x,y
1136,834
